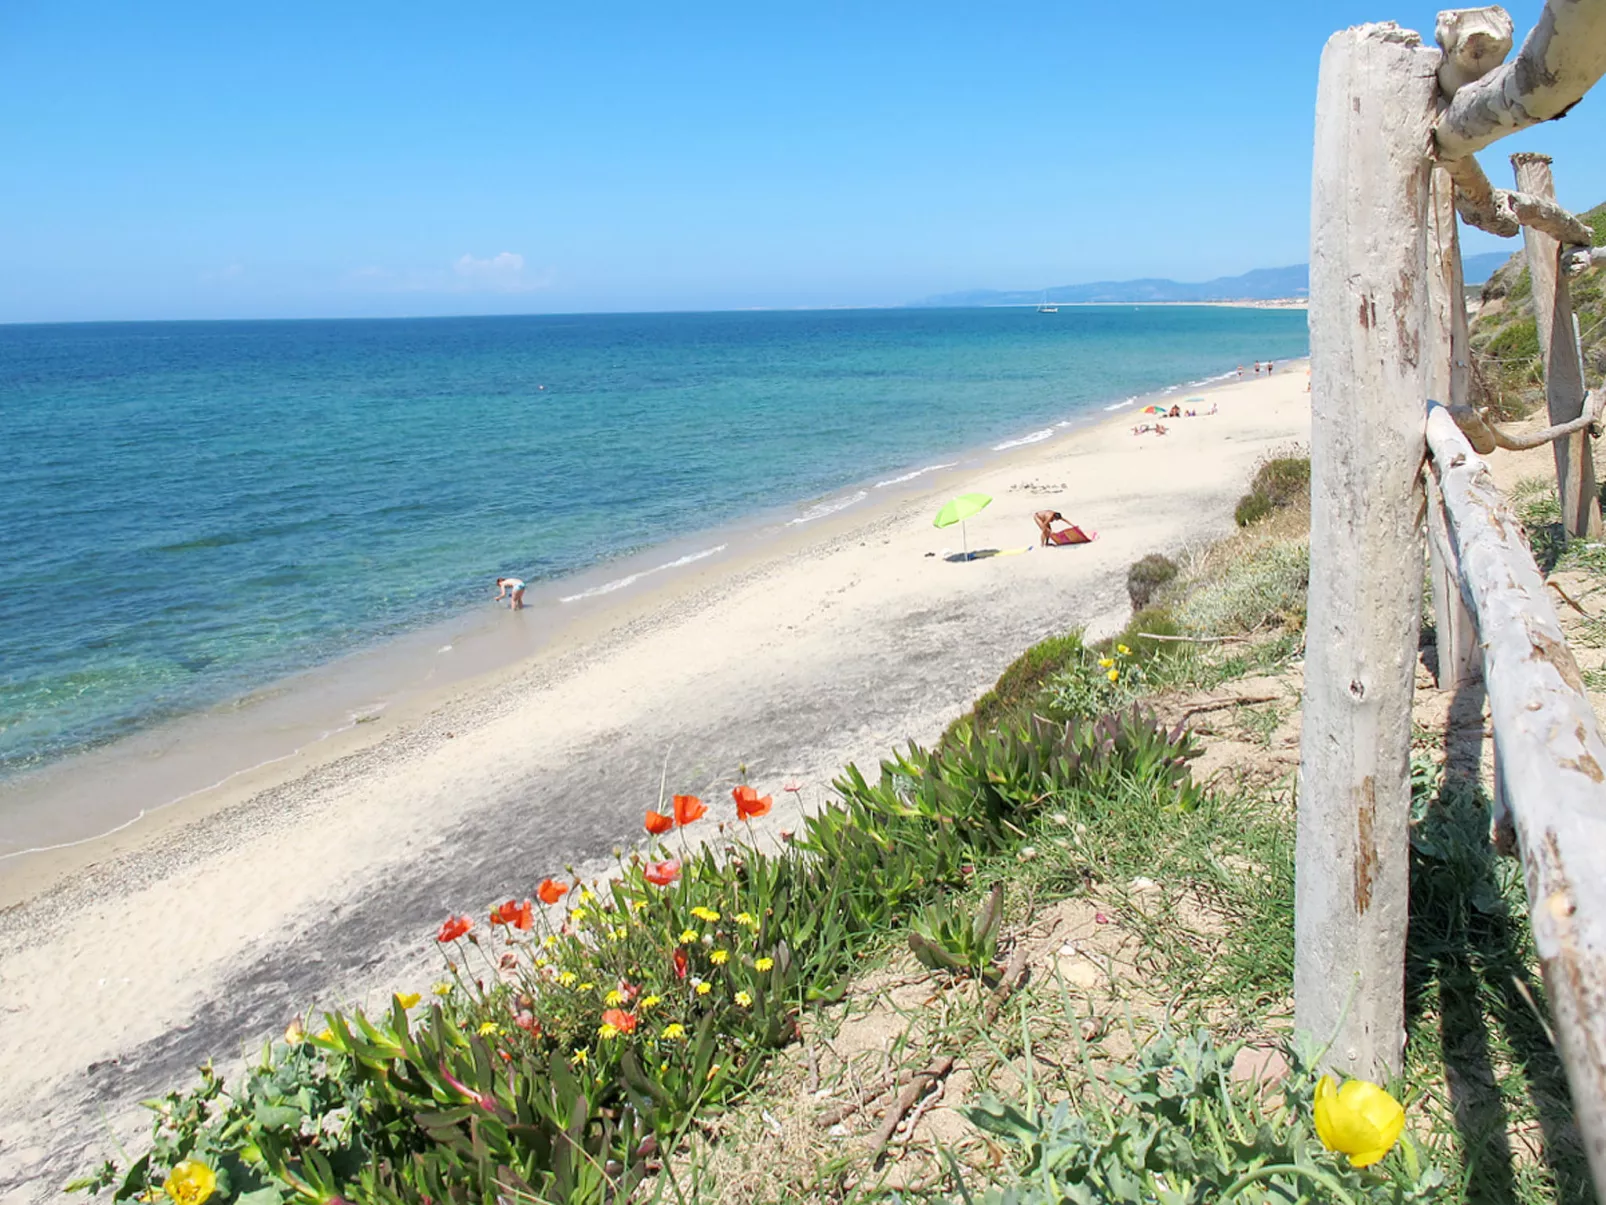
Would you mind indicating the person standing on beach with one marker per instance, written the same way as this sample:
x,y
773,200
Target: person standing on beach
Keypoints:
x,y
512,589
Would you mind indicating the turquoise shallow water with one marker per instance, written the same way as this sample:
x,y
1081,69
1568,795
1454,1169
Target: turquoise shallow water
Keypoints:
x,y
195,509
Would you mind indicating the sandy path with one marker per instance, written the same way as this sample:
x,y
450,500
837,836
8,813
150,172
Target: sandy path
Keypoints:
x,y
832,647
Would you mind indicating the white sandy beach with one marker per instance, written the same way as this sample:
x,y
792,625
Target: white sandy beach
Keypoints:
x,y
322,878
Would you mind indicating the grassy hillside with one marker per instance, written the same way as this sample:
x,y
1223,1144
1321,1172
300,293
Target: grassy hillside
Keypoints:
x,y
1505,342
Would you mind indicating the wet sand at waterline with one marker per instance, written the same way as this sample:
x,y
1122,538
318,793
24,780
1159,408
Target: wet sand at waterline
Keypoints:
x,y
320,878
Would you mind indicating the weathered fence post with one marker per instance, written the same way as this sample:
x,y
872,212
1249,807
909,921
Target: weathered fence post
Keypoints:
x,y
1558,352
1448,372
1375,108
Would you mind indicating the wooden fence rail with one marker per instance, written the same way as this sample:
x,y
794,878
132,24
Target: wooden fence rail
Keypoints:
x,y
1396,125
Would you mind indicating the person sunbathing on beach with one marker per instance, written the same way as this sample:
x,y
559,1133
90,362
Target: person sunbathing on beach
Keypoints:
x,y
512,589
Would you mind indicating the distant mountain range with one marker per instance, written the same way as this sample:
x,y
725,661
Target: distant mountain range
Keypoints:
x,y
1262,284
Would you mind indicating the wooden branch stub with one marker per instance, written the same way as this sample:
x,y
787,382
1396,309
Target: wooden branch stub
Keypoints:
x,y
1475,41
1551,761
1504,212
1560,60
1575,261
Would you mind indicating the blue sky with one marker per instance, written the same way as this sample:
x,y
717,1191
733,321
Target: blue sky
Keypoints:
x,y
164,160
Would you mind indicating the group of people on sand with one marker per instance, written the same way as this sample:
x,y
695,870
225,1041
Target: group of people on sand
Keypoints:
x,y
1175,412
1258,366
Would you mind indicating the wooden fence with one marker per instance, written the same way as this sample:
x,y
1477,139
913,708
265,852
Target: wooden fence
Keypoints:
x,y
1397,123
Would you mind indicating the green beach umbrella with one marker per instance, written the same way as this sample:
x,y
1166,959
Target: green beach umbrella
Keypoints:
x,y
957,511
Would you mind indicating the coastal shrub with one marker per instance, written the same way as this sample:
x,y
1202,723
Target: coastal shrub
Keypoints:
x,y
1278,484
1145,577
1176,1127
1019,686
1264,588
562,1055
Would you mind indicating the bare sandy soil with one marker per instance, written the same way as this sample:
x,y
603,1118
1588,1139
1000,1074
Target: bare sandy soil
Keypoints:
x,y
195,936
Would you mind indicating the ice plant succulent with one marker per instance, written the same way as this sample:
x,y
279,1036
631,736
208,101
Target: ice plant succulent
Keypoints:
x,y
1360,1119
190,1182
748,803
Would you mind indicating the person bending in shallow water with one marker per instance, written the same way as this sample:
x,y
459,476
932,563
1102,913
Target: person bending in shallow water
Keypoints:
x,y
512,589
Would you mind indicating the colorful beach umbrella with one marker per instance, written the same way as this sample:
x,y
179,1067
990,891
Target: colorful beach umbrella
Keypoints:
x,y
1152,410
957,511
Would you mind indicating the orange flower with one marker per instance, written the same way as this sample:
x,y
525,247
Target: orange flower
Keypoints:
x,y
454,928
748,804
551,891
520,916
688,808
622,1021
661,874
680,962
658,824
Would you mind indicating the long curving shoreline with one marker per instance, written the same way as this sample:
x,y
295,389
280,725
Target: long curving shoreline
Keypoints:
x,y
319,878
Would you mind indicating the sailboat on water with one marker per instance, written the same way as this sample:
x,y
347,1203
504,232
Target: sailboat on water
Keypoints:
x,y
1044,307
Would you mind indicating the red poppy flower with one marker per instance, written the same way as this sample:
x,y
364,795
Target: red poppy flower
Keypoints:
x,y
748,803
657,823
527,1022
454,928
661,874
502,914
521,916
680,961
622,1021
551,891
688,808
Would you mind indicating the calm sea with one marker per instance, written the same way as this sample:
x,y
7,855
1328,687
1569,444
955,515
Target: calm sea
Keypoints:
x,y
194,509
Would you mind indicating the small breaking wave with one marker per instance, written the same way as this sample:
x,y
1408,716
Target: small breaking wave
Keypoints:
x,y
829,507
930,468
620,583
1123,405
1033,438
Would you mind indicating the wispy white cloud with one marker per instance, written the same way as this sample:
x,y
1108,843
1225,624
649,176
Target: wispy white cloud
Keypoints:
x,y
504,272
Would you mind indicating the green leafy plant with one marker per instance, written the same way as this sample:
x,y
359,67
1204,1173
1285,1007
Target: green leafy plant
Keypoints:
x,y
1146,577
945,939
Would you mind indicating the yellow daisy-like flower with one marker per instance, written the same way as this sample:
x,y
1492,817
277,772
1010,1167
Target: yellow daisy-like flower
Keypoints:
x,y
704,988
325,1034
578,1057
487,1028
190,1182
578,915
637,905
675,1032
719,957
1360,1120
1114,675
650,1002
587,897
539,963
1123,650
550,940
744,999
619,933
614,997
687,936
763,964
408,999
586,986
567,978
748,919
607,1031
295,1033
443,988
1106,662
707,914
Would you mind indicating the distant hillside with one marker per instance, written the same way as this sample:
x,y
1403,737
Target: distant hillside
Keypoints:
x,y
1505,339
1263,284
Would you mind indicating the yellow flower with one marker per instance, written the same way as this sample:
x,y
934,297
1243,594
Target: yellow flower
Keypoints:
x,y
586,986
744,999
1106,662
748,919
408,999
719,957
650,1002
550,940
675,1032
687,936
707,914
619,933
1360,1120
1123,650
578,915
190,1182
1114,675
614,997
442,988
567,978
578,1057
637,905
295,1033
586,896
326,1034
487,1028
704,988
539,963
763,964
607,1031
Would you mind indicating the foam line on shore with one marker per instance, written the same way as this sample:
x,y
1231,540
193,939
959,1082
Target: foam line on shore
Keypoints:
x,y
620,583
1033,438
930,468
829,507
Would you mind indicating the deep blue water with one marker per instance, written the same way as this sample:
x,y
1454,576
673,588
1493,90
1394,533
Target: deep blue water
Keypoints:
x,y
191,510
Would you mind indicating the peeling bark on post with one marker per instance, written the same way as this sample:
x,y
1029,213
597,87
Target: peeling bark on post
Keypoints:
x,y
1447,376
1375,107
1558,351
1552,762
1561,59
1475,41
